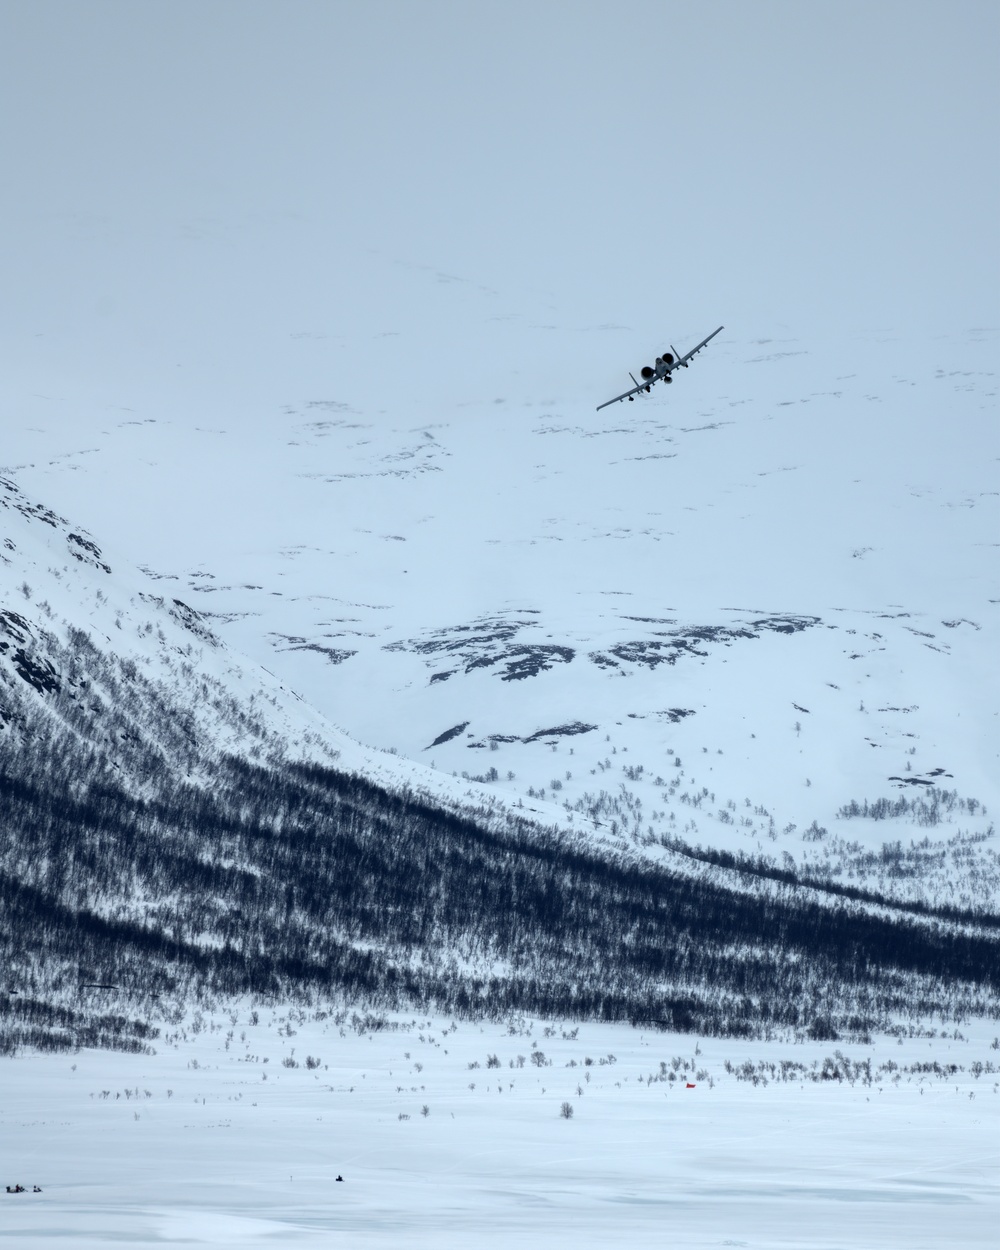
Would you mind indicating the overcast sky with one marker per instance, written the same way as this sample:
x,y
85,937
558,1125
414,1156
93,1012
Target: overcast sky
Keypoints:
x,y
228,173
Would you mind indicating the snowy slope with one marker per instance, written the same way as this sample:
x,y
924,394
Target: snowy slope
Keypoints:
x,y
74,626
780,572
92,653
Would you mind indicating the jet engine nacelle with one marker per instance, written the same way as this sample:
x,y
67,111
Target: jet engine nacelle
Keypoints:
x,y
646,373
668,358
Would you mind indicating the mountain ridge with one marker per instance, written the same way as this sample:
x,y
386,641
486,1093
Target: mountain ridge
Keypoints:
x,y
179,826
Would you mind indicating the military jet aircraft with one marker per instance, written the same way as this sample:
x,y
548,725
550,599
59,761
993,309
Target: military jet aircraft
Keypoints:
x,y
664,367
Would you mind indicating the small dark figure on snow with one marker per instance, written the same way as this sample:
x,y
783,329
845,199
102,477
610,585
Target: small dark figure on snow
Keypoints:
x,y
340,1178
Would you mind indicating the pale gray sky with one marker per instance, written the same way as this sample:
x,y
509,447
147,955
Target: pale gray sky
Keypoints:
x,y
238,170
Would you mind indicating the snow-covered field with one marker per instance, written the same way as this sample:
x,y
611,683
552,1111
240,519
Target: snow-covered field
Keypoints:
x,y
213,1141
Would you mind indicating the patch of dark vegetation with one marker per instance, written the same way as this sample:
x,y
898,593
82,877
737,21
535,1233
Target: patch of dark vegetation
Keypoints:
x,y
288,880
484,779
840,1067
758,866
134,856
923,811
27,1023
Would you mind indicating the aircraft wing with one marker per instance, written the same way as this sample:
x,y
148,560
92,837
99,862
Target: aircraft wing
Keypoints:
x,y
643,386
682,361
679,362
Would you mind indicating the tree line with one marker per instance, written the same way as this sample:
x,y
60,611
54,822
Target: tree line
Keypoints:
x,y
281,879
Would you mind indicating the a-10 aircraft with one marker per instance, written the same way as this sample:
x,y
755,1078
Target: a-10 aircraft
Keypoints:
x,y
664,367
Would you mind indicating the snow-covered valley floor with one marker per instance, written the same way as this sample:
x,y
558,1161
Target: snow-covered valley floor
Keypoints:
x,y
214,1141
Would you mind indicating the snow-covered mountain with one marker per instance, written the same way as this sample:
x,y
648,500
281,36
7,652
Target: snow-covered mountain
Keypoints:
x,y
437,683
756,612
178,823
94,653
95,657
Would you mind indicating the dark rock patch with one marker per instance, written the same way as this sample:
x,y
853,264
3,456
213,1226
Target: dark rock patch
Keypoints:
x,y
929,778
448,734
87,551
490,642
668,646
602,660
336,655
561,731
192,621
15,625
786,624
185,616
38,673
524,661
